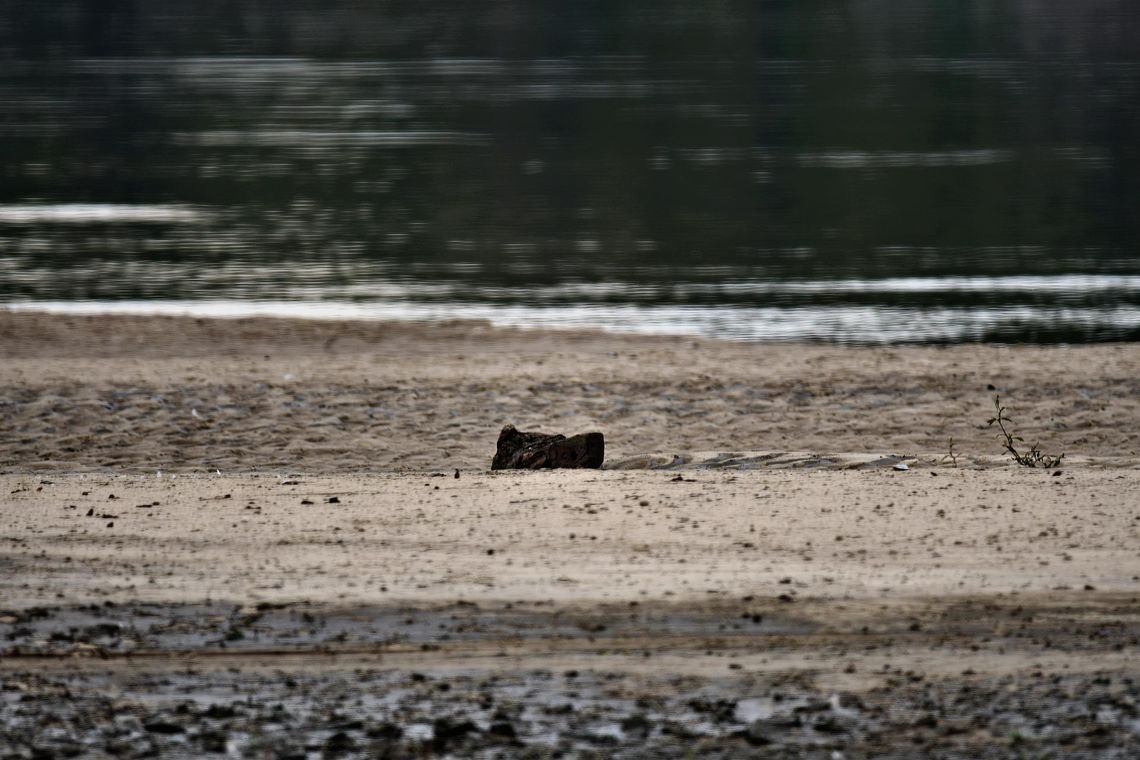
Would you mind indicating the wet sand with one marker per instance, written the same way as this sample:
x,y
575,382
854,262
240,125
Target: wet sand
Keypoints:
x,y
249,537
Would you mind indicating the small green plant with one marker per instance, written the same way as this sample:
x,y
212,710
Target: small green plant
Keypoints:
x,y
1032,458
951,455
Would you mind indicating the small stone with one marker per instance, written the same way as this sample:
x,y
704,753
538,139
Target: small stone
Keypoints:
x,y
338,744
756,734
219,712
213,741
678,730
389,731
446,731
829,725
637,725
502,729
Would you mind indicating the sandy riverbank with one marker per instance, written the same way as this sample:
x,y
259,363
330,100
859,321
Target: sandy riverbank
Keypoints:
x,y
807,595
139,394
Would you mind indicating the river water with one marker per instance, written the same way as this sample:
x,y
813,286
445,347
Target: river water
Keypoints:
x,y
862,172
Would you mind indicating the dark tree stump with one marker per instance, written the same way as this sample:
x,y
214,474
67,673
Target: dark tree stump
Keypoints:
x,y
537,451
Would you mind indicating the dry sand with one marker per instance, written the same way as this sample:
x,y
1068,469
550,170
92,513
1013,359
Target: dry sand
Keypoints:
x,y
238,480
140,394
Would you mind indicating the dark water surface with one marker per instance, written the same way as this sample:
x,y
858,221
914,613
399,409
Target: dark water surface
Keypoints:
x,y
905,171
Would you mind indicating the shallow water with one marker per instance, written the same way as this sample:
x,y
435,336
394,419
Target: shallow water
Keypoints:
x,y
901,173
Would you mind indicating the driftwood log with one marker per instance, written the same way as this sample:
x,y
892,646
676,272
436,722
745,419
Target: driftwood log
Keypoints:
x,y
519,450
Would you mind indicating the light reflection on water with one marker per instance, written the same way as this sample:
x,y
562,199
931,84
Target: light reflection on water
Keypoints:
x,y
840,324
97,213
302,139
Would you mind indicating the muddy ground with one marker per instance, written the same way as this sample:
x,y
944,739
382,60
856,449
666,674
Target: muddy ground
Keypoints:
x,y
747,678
